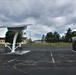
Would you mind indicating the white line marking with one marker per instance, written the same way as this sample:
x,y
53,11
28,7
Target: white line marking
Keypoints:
x,y
52,57
65,58
12,60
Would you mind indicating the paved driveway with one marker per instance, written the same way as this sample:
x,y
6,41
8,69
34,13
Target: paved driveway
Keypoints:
x,y
40,61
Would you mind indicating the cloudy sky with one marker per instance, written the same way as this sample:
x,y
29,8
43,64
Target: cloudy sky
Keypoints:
x,y
44,15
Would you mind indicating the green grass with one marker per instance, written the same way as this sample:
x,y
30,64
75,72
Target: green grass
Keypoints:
x,y
40,44
51,44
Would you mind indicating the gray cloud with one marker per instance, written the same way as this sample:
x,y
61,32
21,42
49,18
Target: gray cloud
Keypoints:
x,y
46,15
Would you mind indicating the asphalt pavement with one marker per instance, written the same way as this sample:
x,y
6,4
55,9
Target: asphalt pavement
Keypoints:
x,y
44,60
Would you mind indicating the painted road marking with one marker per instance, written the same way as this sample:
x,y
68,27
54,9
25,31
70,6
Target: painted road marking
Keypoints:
x,y
65,58
12,60
53,60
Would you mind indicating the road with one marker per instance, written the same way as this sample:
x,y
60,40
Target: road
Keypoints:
x,y
59,60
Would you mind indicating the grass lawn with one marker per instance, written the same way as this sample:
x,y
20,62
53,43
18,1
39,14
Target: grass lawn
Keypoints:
x,y
51,44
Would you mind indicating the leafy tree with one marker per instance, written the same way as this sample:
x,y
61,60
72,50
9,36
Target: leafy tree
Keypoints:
x,y
10,35
49,37
56,37
52,37
73,33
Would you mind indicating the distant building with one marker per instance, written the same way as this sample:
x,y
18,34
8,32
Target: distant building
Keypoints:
x,y
39,41
24,40
2,40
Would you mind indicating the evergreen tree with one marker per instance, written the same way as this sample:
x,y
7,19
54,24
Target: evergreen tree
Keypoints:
x,y
62,39
68,35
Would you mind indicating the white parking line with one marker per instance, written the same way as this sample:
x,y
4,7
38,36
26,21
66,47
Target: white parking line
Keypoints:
x,y
52,58
65,58
12,60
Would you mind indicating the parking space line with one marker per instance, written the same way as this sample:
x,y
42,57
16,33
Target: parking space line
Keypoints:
x,y
12,60
53,60
66,58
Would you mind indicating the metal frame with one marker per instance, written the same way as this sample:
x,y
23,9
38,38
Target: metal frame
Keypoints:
x,y
13,48
16,29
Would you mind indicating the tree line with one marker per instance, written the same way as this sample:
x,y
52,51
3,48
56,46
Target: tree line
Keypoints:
x,y
54,37
50,37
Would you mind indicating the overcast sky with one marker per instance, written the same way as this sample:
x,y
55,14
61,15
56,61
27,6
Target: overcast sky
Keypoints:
x,y
45,15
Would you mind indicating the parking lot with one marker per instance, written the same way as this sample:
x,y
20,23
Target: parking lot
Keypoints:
x,y
44,60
